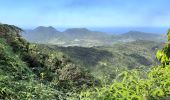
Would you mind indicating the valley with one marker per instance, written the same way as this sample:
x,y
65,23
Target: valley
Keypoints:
x,y
106,60
103,55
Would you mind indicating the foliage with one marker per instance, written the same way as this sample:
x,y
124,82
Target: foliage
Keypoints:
x,y
132,85
111,60
164,55
168,35
17,80
28,72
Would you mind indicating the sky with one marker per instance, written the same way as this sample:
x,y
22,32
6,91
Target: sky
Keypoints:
x,y
85,13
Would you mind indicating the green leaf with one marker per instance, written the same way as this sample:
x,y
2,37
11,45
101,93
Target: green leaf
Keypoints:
x,y
168,34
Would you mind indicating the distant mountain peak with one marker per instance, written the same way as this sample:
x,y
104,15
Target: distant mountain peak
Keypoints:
x,y
139,33
41,33
77,30
133,31
46,29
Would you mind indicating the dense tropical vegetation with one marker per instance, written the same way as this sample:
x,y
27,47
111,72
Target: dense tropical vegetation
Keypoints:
x,y
134,85
28,72
32,71
105,62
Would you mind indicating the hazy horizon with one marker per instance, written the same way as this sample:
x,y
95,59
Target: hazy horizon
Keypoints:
x,y
83,13
114,30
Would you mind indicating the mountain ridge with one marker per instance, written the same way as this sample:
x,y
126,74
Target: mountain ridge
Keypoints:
x,y
84,37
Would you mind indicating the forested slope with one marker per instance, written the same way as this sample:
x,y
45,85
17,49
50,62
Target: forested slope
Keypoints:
x,y
133,85
105,62
26,72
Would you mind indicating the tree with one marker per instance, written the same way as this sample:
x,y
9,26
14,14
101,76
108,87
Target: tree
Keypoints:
x,y
163,55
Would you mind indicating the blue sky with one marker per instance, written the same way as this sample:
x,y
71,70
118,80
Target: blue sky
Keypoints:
x,y
86,13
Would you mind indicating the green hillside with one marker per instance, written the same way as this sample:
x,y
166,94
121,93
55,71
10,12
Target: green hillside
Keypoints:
x,y
105,62
29,73
132,85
